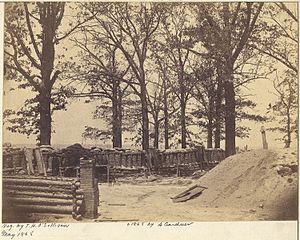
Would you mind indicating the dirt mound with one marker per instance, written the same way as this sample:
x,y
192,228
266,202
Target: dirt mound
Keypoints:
x,y
257,180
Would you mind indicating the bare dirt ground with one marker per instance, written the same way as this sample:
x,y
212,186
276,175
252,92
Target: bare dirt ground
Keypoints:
x,y
255,185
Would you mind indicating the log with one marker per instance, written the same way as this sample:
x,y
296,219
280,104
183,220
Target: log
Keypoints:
x,y
78,202
36,182
79,197
43,178
45,209
40,201
77,209
42,194
77,184
51,189
79,191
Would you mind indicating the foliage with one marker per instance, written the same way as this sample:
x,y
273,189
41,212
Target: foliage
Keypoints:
x,y
285,108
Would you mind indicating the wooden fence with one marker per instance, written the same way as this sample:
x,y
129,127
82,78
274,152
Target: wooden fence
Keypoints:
x,y
165,162
14,161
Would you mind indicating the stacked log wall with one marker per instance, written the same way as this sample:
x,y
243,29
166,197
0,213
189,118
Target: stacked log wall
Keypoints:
x,y
76,196
43,194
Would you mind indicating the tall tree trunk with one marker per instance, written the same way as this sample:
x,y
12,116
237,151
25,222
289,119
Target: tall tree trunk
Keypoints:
x,y
228,85
210,123
166,130
47,61
145,119
218,110
166,116
116,125
116,121
288,140
120,117
209,133
156,133
229,117
183,121
45,118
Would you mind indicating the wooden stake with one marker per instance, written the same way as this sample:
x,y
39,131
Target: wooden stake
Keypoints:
x,y
264,137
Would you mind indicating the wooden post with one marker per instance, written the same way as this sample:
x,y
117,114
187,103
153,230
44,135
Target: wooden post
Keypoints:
x,y
178,163
40,162
89,186
129,160
264,137
118,159
46,150
29,159
23,161
14,162
205,157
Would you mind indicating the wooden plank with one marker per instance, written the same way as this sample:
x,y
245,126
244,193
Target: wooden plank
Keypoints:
x,y
117,204
40,162
189,193
178,163
107,173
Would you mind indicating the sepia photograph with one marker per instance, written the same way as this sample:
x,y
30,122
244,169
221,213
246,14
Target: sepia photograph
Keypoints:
x,y
171,112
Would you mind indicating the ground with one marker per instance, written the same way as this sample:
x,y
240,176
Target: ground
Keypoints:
x,y
254,185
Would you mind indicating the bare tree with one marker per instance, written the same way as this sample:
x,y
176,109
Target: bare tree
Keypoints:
x,y
101,74
278,38
130,27
285,108
31,36
175,43
224,30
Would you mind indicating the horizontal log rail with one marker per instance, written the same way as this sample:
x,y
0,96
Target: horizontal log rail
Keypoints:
x,y
46,209
44,194
49,189
37,182
39,201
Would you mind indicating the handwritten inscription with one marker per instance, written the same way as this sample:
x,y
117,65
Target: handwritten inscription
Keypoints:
x,y
23,230
159,224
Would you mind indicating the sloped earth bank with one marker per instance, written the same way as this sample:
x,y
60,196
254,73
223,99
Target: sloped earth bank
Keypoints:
x,y
265,181
254,185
